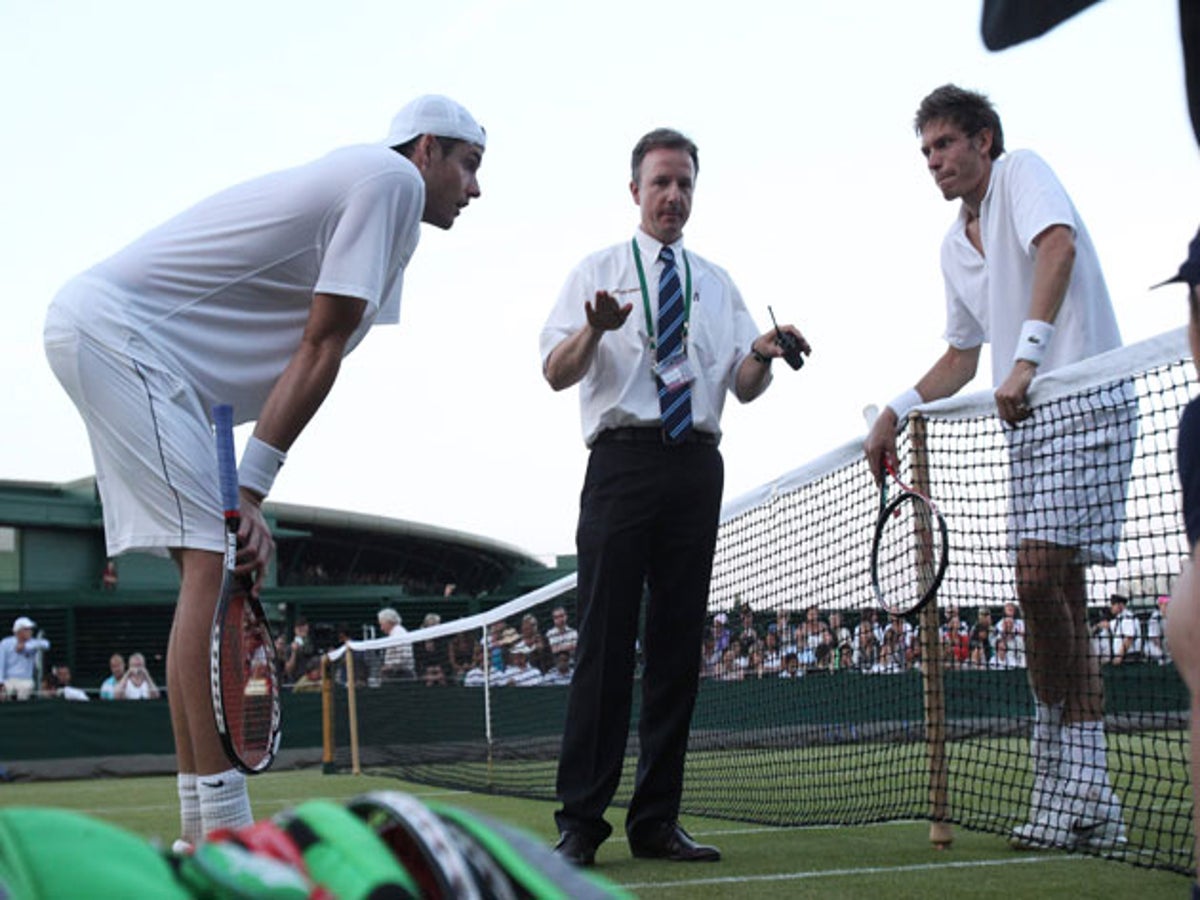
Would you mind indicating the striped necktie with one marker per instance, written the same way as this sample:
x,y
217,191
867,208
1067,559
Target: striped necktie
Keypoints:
x,y
675,403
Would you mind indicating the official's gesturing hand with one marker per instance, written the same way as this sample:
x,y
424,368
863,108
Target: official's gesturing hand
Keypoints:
x,y
606,313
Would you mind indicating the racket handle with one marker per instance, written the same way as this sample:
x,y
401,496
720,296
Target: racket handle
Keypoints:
x,y
222,415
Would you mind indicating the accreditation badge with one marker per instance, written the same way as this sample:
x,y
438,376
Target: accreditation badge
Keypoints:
x,y
675,371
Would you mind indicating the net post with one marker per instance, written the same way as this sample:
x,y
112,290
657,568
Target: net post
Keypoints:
x,y
487,704
941,834
352,709
328,766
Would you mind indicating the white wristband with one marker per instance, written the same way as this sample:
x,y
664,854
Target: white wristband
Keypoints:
x,y
1034,341
903,404
260,464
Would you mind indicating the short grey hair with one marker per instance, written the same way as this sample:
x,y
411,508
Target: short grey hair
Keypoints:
x,y
389,615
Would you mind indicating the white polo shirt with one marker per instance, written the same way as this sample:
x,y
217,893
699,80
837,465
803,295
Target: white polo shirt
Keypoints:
x,y
987,297
221,293
619,388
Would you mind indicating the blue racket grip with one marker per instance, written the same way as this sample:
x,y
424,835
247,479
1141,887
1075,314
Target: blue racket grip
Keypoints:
x,y
222,415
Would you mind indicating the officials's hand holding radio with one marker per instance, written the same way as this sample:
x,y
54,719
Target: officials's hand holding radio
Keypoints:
x,y
782,341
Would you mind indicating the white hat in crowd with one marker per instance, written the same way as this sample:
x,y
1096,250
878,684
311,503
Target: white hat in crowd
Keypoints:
x,y
23,622
436,115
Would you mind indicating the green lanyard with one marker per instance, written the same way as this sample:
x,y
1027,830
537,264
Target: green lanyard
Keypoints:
x,y
687,296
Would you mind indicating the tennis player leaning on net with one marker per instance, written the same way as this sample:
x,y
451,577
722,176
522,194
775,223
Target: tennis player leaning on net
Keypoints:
x,y
1183,612
251,297
1020,270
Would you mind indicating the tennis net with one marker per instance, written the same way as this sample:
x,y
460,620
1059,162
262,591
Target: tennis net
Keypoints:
x,y
816,710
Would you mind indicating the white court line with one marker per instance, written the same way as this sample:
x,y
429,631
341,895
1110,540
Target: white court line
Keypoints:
x,y
158,807
779,829
842,873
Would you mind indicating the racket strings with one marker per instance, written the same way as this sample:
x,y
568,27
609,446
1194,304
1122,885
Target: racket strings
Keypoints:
x,y
249,688
910,553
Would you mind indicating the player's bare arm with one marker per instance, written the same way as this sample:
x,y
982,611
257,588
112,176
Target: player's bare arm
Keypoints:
x,y
290,406
570,360
752,374
946,377
1054,259
1183,621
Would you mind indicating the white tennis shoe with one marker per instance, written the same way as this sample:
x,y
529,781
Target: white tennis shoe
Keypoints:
x,y
1099,823
1047,829
1091,819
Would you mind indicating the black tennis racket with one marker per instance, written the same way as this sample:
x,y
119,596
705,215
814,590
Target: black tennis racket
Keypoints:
x,y
242,661
910,550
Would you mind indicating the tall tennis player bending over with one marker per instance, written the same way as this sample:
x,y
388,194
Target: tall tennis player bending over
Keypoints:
x,y
251,297
1020,271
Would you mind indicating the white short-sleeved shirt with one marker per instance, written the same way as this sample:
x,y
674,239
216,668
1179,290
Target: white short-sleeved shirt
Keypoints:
x,y
523,677
222,291
1126,625
137,691
619,388
987,297
565,639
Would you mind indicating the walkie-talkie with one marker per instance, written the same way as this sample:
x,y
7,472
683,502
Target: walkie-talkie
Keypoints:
x,y
789,342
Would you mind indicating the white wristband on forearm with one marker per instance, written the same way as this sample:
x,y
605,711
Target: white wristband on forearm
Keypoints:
x,y
260,464
903,404
1034,341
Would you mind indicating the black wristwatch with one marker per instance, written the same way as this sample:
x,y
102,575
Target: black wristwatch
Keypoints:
x,y
765,360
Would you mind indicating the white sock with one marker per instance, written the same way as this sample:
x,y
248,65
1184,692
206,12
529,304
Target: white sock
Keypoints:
x,y
1088,752
1046,742
224,801
189,806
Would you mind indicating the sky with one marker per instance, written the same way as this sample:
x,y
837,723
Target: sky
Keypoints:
x,y
812,193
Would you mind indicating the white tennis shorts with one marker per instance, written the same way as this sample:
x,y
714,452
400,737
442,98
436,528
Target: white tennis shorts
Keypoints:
x,y
152,444
1070,471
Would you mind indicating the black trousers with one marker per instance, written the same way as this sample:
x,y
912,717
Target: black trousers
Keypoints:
x,y
648,519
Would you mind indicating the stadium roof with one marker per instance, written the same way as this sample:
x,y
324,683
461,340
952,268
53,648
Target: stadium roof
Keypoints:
x,y
314,545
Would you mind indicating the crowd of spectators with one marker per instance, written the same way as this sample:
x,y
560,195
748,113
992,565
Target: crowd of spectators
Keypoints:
x,y
822,641
517,656
524,657
737,645
27,673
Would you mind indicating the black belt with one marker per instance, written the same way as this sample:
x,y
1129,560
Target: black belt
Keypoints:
x,y
648,434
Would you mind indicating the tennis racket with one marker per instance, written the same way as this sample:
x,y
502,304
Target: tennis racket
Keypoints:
x,y
422,843
242,661
911,546
910,550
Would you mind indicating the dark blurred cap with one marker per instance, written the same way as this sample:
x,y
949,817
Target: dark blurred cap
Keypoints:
x,y
1189,269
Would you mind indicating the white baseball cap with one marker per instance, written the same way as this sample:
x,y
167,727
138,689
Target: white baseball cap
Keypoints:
x,y
436,115
23,622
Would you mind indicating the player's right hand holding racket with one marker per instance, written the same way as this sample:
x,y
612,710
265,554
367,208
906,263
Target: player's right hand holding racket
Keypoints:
x,y
243,671
880,444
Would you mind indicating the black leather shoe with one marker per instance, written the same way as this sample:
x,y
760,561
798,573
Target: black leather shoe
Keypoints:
x,y
675,844
576,849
